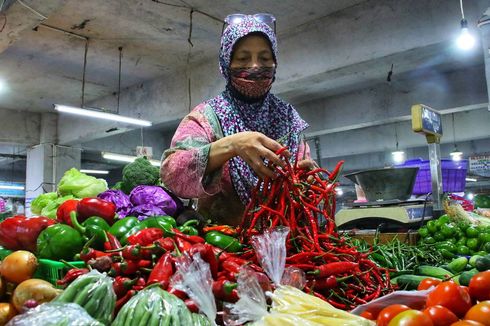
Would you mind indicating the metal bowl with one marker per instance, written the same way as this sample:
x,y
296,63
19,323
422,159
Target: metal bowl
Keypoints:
x,y
385,184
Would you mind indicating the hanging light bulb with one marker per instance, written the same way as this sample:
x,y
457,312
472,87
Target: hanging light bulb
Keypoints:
x,y
456,155
465,41
398,156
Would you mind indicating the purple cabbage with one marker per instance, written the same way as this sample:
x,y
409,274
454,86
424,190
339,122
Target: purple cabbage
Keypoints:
x,y
146,210
118,198
152,196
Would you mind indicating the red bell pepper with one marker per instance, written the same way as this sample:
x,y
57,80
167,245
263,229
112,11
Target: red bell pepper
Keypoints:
x,y
19,232
64,210
88,207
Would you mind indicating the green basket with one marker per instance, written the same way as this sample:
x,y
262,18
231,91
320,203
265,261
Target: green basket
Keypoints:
x,y
52,270
48,270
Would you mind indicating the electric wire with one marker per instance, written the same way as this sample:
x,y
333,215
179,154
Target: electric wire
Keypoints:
x,y
32,10
462,10
119,79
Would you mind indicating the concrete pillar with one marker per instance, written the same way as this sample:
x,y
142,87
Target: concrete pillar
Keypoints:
x,y
484,24
48,161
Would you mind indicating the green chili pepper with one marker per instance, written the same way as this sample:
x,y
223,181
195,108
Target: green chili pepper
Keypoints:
x,y
121,227
169,219
190,230
223,241
93,227
160,222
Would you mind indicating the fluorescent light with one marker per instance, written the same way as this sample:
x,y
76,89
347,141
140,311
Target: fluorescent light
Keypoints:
x,y
471,179
94,171
456,155
125,158
465,41
470,196
101,115
13,187
398,156
339,191
3,86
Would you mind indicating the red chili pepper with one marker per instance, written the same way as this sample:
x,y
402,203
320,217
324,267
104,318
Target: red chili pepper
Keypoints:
x,y
178,293
88,207
146,237
225,229
112,243
129,267
190,238
167,244
207,254
191,305
162,271
89,253
140,284
335,268
182,244
20,233
225,290
135,252
64,210
122,285
120,302
71,275
336,171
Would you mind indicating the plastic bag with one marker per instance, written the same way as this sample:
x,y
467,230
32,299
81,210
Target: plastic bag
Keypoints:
x,y
409,298
271,252
252,304
80,185
55,313
94,292
154,306
193,276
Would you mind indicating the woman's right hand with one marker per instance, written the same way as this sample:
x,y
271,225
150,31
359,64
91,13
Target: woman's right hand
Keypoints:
x,y
253,147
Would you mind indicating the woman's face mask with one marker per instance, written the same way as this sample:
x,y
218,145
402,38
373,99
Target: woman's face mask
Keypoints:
x,y
252,82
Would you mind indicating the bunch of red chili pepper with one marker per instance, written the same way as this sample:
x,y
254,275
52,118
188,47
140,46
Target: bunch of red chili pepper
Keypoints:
x,y
304,200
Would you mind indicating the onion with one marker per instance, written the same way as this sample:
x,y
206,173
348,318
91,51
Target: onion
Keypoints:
x,y
33,289
18,266
7,312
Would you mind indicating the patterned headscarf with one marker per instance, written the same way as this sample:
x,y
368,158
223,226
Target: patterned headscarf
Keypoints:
x,y
273,117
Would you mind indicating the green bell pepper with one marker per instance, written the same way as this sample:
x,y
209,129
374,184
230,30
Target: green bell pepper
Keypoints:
x,y
160,222
59,241
93,227
121,227
223,241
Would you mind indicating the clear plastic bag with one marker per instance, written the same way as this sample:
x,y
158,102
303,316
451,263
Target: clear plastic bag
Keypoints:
x,y
193,276
55,313
94,292
154,306
271,252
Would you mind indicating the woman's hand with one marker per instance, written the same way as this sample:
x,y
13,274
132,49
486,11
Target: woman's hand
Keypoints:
x,y
308,164
253,147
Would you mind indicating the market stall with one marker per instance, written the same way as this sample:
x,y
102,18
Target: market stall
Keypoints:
x,y
119,257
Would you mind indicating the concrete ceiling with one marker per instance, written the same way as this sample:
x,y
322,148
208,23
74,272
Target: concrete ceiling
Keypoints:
x,y
328,47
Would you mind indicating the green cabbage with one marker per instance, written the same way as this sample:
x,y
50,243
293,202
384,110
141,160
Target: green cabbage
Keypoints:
x,y
50,209
80,185
42,201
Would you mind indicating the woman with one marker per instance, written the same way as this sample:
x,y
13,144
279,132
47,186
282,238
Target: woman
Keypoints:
x,y
224,145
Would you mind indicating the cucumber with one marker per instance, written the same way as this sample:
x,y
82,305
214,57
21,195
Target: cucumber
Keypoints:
x,y
408,282
437,272
465,277
458,265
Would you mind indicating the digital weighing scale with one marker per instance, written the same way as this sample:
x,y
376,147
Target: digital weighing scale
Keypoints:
x,y
388,190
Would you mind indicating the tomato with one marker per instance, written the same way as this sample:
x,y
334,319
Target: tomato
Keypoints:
x,y
427,283
451,296
389,312
368,315
467,323
479,313
440,316
480,286
411,318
